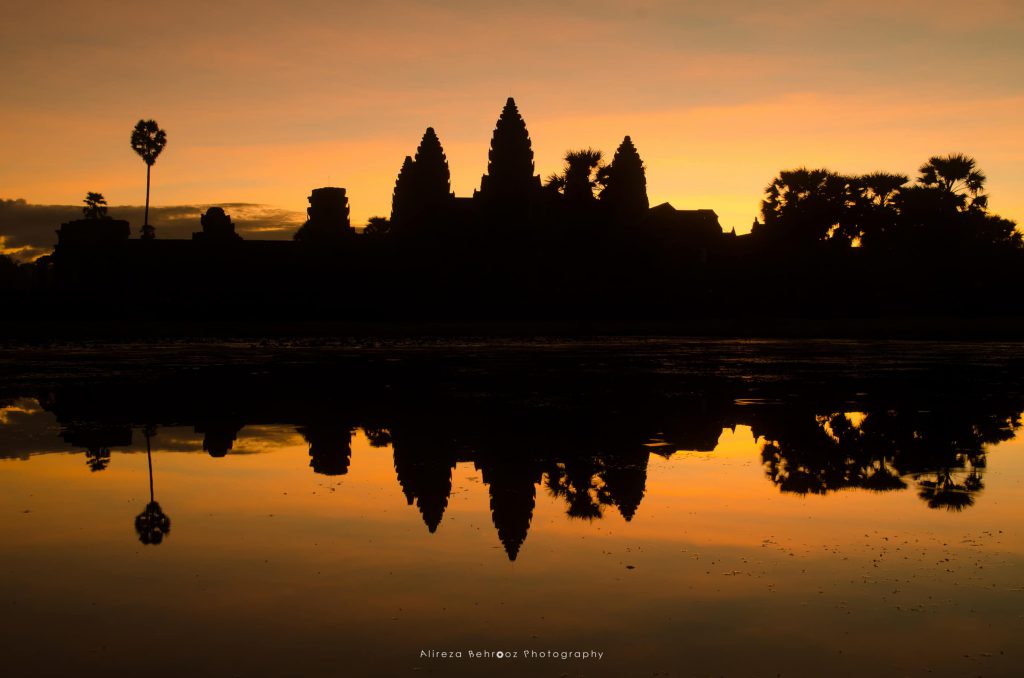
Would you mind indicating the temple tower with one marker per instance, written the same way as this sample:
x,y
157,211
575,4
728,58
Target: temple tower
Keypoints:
x,y
510,183
626,192
328,217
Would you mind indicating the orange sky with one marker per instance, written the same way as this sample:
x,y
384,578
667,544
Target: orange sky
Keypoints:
x,y
264,101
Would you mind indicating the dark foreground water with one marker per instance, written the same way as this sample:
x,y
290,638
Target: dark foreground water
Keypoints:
x,y
597,508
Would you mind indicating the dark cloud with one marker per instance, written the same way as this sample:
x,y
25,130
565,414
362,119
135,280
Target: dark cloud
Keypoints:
x,y
28,231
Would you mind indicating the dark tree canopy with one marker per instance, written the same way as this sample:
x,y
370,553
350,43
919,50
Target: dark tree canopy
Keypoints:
x,y
582,175
148,140
95,206
377,227
956,175
805,205
944,210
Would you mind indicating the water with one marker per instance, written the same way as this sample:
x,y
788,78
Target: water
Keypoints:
x,y
667,507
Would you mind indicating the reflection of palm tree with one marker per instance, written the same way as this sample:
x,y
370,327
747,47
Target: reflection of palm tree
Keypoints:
x,y
945,492
574,481
98,458
152,525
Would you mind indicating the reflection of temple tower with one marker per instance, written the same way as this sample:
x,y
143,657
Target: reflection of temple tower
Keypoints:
x,y
426,479
625,480
328,217
218,436
513,493
330,447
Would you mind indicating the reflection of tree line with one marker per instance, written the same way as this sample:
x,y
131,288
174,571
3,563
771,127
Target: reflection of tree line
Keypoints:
x,y
424,466
942,451
581,425
877,451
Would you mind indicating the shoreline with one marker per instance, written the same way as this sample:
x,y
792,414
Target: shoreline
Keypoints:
x,y
983,328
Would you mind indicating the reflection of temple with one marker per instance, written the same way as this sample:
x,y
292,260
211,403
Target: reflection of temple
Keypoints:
x,y
330,447
625,478
512,486
425,476
586,435
219,436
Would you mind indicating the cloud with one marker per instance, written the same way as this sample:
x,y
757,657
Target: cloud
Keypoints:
x,y
28,231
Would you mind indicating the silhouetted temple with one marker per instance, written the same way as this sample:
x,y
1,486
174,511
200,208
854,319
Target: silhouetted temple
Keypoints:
x,y
509,187
425,476
328,221
219,435
585,436
330,447
514,246
217,227
513,491
626,190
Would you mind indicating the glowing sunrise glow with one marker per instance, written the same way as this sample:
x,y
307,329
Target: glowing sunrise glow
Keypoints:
x,y
264,101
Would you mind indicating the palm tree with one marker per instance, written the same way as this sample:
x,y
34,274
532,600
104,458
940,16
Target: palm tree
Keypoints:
x,y
95,206
881,187
148,140
582,174
377,227
958,176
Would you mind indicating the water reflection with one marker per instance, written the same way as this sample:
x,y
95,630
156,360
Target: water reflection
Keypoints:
x,y
585,436
152,525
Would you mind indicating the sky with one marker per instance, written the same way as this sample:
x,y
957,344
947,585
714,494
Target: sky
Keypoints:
x,y
263,101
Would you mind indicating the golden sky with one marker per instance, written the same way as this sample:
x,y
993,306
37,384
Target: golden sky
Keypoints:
x,y
263,101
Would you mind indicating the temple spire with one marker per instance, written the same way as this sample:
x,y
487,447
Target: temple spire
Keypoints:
x,y
402,197
423,188
433,178
510,181
626,192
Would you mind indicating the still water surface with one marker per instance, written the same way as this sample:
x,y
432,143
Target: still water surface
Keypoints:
x,y
682,508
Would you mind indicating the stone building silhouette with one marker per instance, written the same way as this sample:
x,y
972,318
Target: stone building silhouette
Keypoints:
x,y
328,220
217,227
510,186
626,193
423,193
425,476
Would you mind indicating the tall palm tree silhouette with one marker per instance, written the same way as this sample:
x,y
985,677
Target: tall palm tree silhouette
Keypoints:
x,y
148,140
152,525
